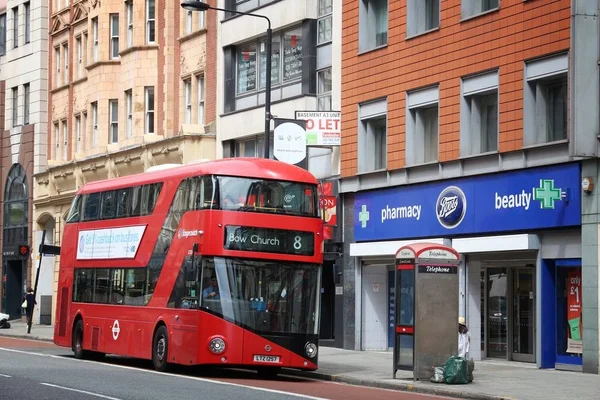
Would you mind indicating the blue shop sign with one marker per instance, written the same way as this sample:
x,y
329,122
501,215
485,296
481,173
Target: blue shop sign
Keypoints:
x,y
535,198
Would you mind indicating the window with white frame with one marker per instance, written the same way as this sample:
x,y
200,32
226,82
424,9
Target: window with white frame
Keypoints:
x,y
78,132
324,21
373,24
422,138
149,106
94,106
200,111
56,141
15,106
95,38
545,100
114,36
188,22
201,19
187,87
324,88
129,12
129,112
422,16
113,109
66,62
479,114
150,21
252,147
79,57
85,52
2,34
27,12
57,75
469,8
65,140
372,136
26,100
15,30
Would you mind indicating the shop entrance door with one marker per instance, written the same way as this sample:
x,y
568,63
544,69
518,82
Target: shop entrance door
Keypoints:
x,y
509,318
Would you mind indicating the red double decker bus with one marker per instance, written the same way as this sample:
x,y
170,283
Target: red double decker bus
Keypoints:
x,y
210,263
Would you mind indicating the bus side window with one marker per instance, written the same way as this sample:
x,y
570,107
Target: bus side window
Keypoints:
x,y
123,202
149,196
91,207
136,201
75,211
206,194
108,204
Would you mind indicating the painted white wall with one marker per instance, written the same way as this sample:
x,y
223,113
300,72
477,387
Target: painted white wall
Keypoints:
x,y
374,308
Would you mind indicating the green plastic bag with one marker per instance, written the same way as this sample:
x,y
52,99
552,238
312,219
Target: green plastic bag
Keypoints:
x,y
456,371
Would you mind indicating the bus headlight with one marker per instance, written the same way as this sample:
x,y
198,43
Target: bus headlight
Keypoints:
x,y
311,350
217,345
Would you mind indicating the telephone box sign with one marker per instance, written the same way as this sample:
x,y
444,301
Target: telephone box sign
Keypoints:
x,y
405,253
437,269
323,128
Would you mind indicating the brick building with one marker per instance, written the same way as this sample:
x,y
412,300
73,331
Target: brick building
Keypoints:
x,y
132,85
472,123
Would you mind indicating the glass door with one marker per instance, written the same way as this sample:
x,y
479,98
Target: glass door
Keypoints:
x,y
497,318
523,314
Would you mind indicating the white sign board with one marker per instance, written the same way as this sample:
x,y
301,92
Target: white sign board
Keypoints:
x,y
323,128
109,243
289,143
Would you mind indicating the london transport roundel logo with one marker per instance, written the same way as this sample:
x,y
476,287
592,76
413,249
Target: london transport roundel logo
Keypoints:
x,y
451,207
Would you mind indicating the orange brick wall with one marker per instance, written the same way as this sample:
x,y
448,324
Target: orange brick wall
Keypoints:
x,y
502,39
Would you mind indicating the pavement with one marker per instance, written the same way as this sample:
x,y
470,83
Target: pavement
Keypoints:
x,y
493,380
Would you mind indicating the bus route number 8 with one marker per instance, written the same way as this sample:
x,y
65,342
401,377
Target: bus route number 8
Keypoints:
x,y
297,242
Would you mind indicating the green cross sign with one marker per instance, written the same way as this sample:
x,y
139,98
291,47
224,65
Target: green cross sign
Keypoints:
x,y
363,216
547,194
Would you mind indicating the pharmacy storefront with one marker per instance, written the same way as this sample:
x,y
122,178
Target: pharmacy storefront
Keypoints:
x,y
519,236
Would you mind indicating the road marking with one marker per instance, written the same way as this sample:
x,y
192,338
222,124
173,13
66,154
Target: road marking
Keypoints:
x,y
80,391
193,378
5,376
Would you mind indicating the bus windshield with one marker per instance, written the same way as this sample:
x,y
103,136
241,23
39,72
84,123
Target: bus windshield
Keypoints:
x,y
261,195
267,297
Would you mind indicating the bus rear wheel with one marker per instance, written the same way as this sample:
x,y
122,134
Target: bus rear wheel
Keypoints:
x,y
160,349
77,342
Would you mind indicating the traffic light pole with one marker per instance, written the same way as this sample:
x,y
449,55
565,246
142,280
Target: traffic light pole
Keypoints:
x,y
37,277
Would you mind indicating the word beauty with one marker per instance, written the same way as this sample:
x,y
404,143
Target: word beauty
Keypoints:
x,y
516,200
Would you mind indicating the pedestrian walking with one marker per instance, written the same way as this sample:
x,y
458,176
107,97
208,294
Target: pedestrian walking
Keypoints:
x,y
29,305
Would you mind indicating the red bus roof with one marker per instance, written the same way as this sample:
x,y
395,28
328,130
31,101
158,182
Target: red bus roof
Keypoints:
x,y
261,168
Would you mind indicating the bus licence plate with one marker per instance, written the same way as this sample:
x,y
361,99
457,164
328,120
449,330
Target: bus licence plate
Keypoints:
x,y
269,359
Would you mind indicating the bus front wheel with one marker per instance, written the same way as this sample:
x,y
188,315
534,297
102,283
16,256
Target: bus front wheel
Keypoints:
x,y
160,349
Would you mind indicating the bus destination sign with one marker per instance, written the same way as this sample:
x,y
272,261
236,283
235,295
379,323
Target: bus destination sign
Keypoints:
x,y
268,240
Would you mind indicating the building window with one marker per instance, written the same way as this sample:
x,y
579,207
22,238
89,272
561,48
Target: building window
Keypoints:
x,y
56,141
129,111
85,51
113,134
188,22
95,38
324,28
324,89
200,83
15,106
79,56
545,100
66,57
422,16
3,34
114,36
95,124
373,24
78,132
281,72
470,8
252,147
57,69
15,15
26,100
27,22
129,6
149,95
150,22
187,85
372,136
479,114
422,125
65,133
201,19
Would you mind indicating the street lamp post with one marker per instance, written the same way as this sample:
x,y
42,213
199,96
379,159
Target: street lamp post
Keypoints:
x,y
195,5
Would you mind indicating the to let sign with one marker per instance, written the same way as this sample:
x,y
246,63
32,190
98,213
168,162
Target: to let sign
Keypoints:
x,y
323,128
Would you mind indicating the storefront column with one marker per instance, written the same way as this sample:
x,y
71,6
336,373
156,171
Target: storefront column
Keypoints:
x,y
589,270
349,277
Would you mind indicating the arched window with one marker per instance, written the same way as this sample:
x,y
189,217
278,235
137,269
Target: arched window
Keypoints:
x,y
16,206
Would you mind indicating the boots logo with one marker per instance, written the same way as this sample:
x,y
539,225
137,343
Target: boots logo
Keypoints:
x,y
451,207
